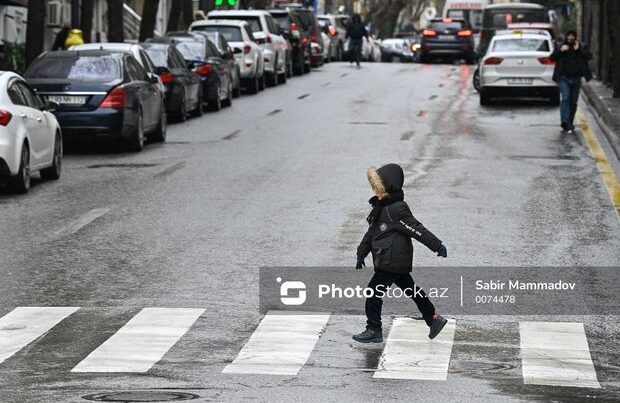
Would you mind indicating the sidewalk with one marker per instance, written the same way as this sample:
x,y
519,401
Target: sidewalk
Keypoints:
x,y
606,110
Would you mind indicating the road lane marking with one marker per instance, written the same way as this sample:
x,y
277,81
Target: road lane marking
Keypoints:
x,y
232,135
602,163
407,135
82,221
273,112
557,354
170,170
23,325
410,354
302,96
280,345
142,342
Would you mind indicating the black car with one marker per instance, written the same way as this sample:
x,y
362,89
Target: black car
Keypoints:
x,y
215,73
291,27
101,94
310,24
447,37
228,54
183,88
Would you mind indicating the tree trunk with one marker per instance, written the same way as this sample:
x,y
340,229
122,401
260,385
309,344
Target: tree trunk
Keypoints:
x,y
384,16
116,26
149,19
176,6
188,15
86,24
613,14
34,29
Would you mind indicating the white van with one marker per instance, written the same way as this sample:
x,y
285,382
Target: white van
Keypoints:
x,y
468,10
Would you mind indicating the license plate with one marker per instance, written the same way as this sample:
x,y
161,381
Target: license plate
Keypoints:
x,y
520,81
67,99
445,37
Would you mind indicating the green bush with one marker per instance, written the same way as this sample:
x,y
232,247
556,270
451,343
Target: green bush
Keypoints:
x,y
15,57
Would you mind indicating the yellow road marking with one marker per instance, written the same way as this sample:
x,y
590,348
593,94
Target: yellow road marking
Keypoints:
x,y
602,164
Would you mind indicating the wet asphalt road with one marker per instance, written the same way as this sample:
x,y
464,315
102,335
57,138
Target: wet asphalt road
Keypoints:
x,y
278,179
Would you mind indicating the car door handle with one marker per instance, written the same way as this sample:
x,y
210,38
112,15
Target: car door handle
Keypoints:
x,y
24,116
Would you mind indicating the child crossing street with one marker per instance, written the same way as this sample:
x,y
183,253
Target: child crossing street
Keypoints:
x,y
391,227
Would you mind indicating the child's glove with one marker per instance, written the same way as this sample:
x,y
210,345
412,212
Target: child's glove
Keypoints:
x,y
360,263
442,251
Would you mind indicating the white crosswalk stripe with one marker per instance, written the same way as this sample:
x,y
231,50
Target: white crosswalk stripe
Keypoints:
x,y
23,325
556,353
410,354
280,345
142,342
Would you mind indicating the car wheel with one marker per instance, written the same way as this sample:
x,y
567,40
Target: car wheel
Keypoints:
x,y
272,79
136,141
476,80
181,114
229,97
485,98
216,104
237,89
395,59
289,68
261,82
339,53
299,69
160,132
197,112
284,75
253,85
53,172
21,181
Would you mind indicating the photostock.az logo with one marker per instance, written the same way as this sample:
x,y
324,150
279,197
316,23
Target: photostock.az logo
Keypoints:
x,y
292,285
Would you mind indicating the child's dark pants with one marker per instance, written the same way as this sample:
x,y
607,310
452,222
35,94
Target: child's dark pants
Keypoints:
x,y
380,283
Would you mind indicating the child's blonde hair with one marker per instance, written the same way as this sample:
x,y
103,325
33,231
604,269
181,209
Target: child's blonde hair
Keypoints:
x,y
376,183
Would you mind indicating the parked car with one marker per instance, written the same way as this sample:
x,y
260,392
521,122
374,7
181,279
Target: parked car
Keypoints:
x,y
183,90
202,56
227,53
135,49
396,50
267,35
518,64
312,30
447,37
291,28
30,136
337,30
248,54
101,94
330,41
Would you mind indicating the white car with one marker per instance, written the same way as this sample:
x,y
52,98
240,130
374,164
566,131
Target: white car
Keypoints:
x,y
136,50
518,63
30,137
266,32
337,31
248,55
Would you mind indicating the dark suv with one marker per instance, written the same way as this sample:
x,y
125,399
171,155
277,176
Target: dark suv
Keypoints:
x,y
291,27
447,37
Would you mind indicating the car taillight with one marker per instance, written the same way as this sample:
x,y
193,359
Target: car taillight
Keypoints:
x,y
332,31
465,32
247,49
5,117
429,32
493,61
546,61
114,99
268,39
294,27
166,78
204,70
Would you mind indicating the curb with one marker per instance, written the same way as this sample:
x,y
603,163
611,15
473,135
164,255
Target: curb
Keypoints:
x,y
609,123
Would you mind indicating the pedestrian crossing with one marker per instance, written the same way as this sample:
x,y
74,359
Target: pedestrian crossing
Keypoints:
x,y
551,353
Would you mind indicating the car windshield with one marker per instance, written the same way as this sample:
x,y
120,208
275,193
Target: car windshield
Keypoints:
x,y
158,54
284,21
77,68
442,26
521,45
232,34
253,21
191,50
498,19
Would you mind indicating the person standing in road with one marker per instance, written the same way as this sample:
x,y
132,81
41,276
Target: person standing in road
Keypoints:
x,y
356,32
571,59
391,227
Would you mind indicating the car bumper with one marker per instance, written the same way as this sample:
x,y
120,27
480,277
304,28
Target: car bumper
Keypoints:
x,y
100,123
502,81
9,152
247,68
447,48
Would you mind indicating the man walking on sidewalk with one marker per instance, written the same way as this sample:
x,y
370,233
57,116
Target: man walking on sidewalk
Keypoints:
x,y
571,65
391,227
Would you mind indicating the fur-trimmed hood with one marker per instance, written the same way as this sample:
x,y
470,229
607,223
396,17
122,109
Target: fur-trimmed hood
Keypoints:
x,y
387,179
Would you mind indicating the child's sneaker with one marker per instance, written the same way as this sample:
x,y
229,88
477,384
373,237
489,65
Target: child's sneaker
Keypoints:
x,y
369,336
438,323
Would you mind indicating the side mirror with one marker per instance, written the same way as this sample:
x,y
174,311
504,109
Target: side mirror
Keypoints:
x,y
50,106
191,65
154,78
161,70
237,50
